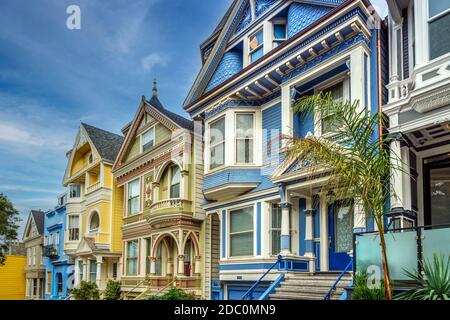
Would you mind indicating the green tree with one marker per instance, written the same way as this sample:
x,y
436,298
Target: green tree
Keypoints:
x,y
358,160
9,224
86,291
112,291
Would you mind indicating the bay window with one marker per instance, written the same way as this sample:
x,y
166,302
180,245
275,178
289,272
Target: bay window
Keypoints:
x,y
217,143
439,24
256,46
244,138
133,197
132,257
74,227
275,229
148,140
74,191
175,179
241,232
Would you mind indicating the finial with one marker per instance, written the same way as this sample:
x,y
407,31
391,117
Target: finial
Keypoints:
x,y
155,89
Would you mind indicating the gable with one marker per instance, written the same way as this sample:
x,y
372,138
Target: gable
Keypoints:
x,y
228,56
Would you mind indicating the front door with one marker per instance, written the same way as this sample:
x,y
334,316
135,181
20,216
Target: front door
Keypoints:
x,y
340,224
437,190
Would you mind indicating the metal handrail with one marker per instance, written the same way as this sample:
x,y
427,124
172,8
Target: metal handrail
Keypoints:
x,y
333,287
157,293
134,288
249,293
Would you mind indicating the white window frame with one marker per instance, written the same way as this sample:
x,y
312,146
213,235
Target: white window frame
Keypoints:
x,y
95,230
170,180
228,237
33,255
210,146
261,45
429,20
70,227
128,213
272,229
137,258
253,114
278,21
324,86
142,138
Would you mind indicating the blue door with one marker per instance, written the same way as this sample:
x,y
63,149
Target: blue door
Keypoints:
x,y
340,224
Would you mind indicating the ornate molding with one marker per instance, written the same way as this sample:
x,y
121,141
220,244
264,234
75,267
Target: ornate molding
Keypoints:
x,y
431,100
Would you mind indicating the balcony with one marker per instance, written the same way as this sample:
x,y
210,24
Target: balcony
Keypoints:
x,y
51,251
93,187
170,204
406,249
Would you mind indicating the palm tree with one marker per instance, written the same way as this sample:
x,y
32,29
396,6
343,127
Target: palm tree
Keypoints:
x,y
357,159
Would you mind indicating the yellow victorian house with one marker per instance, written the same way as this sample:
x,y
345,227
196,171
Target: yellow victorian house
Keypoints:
x,y
92,235
159,182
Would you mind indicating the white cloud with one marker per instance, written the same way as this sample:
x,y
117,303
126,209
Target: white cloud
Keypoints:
x,y
10,133
152,60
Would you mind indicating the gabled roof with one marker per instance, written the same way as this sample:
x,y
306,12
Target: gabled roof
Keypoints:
x,y
107,143
179,120
38,217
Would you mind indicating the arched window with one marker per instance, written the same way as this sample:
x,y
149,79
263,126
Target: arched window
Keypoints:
x,y
94,223
175,179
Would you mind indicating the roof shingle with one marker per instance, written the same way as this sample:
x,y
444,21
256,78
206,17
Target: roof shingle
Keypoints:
x,y
107,143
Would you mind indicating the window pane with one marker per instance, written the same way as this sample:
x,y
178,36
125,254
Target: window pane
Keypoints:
x,y
276,242
279,31
133,188
175,191
439,38
438,6
241,220
256,40
176,177
344,229
256,54
95,221
241,244
276,216
337,92
132,249
217,156
244,125
148,136
244,150
217,131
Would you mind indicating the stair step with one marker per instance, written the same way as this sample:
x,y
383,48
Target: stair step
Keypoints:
x,y
316,277
294,296
308,289
314,283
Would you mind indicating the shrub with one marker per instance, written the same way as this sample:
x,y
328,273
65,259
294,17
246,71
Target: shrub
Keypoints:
x,y
112,291
86,291
362,292
433,285
174,294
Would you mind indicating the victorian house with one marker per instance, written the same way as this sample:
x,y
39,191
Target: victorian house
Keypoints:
x,y
92,236
264,55
33,239
157,179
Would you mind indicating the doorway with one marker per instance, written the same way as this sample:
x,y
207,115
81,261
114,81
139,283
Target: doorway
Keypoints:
x,y
340,224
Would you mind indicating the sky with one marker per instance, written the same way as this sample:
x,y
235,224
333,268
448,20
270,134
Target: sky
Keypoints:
x,y
53,78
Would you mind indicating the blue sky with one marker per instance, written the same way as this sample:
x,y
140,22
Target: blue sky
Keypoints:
x,y
51,78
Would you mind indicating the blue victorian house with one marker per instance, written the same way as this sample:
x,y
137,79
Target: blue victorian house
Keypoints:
x,y
59,272
262,57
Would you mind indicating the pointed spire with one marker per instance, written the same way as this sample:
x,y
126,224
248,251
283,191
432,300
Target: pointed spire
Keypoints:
x,y
155,89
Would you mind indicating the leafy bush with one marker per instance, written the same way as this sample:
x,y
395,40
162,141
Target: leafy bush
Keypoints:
x,y
434,285
86,291
112,291
174,294
362,292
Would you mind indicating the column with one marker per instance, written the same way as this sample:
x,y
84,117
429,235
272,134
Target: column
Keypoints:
x,y
27,288
155,187
184,192
169,269
397,180
309,233
324,237
180,265
357,77
406,178
98,276
153,266
287,123
197,265
38,288
285,229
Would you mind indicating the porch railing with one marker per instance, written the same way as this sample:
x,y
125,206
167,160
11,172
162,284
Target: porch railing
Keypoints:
x,y
249,294
333,287
407,249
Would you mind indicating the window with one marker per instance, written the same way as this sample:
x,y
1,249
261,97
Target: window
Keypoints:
x,y
50,239
33,252
275,229
59,281
175,178
57,239
399,46
241,232
244,138
94,223
343,234
148,253
217,143
133,197
132,257
148,140
90,158
49,282
74,191
74,228
29,256
92,271
80,270
439,24
337,91
114,270
256,46
45,240
279,33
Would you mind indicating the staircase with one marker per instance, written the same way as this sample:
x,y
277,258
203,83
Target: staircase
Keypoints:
x,y
305,286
